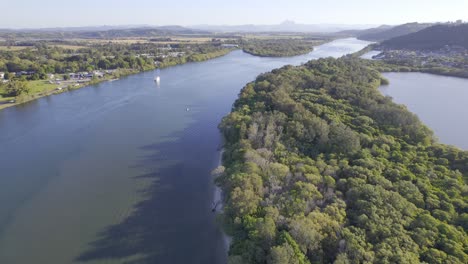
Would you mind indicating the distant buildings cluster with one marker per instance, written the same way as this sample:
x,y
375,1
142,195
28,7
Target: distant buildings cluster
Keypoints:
x,y
89,75
448,56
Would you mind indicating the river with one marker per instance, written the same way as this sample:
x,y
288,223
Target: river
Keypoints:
x,y
439,101
119,172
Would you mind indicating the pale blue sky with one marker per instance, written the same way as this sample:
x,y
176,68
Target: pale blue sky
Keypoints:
x,y
62,13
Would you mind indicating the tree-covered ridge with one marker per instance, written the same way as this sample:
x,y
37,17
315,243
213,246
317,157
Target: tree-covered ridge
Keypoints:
x,y
432,38
393,32
279,47
321,168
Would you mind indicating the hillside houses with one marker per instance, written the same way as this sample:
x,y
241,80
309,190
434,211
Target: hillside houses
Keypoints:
x,y
454,57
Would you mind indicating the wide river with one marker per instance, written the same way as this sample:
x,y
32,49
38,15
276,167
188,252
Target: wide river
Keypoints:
x,y
120,172
439,101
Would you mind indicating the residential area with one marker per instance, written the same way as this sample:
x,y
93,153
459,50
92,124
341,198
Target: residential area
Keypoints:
x,y
455,57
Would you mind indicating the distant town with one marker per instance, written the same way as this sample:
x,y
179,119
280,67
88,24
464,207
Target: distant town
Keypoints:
x,y
450,56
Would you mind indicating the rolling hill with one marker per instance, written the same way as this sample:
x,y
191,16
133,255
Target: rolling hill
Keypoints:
x,y
432,38
97,32
357,32
382,33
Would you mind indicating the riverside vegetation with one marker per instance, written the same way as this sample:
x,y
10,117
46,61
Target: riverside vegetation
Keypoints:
x,y
455,65
320,167
35,61
280,47
28,70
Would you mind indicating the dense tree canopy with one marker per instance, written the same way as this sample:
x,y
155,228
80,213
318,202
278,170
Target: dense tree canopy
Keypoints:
x,y
321,168
42,58
278,47
15,88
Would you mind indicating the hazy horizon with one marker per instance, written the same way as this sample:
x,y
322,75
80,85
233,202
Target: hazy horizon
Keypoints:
x,y
197,25
86,13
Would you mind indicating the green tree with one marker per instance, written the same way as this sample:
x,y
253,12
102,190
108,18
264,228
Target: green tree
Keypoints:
x,y
16,88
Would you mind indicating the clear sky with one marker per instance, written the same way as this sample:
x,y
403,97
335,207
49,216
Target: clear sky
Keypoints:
x,y
65,13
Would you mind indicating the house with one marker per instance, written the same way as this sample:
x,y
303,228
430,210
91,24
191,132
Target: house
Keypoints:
x,y
176,54
80,75
2,75
74,75
98,74
50,76
25,73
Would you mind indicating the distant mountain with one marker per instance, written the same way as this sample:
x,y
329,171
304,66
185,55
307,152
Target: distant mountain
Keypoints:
x,y
286,26
140,32
376,30
145,30
382,33
73,29
432,38
360,32
104,32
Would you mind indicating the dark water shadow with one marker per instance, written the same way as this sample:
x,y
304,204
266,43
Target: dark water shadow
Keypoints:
x,y
174,222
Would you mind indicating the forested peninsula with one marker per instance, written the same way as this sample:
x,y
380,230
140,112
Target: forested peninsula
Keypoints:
x,y
280,47
320,167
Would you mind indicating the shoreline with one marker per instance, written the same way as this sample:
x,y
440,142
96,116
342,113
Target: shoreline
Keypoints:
x,y
30,98
218,201
398,68
279,56
127,72
312,49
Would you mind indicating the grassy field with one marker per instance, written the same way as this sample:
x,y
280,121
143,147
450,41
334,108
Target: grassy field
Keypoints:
x,y
40,86
174,40
71,47
14,48
36,88
17,48
272,36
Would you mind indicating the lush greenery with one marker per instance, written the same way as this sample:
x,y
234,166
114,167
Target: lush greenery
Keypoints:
x,y
414,65
382,33
278,47
432,38
195,57
365,50
433,65
29,70
443,63
321,168
43,58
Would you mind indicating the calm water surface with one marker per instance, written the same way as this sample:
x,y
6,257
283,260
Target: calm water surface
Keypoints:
x,y
439,101
120,172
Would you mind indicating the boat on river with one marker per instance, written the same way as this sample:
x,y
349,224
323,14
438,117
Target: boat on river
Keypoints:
x,y
158,76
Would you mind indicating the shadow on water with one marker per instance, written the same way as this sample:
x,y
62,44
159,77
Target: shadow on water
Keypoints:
x,y
173,223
